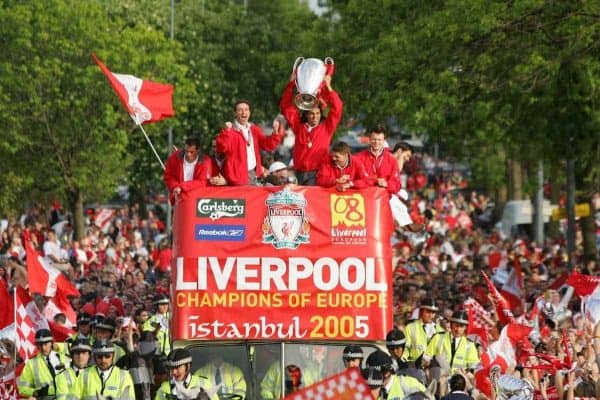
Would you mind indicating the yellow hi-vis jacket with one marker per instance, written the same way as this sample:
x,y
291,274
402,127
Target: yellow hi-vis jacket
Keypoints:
x,y
403,386
232,379
417,339
65,384
118,384
162,336
36,374
465,353
270,386
167,389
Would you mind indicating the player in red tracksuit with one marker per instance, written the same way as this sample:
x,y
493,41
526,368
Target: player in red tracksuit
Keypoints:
x,y
188,168
343,170
312,135
239,145
379,162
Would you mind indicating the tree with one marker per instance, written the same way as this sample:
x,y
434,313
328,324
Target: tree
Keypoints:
x,y
68,131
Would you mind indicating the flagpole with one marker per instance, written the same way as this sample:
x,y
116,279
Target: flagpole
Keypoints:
x,y
15,323
152,146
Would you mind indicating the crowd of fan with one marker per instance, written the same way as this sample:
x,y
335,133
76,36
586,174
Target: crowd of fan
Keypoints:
x,y
120,269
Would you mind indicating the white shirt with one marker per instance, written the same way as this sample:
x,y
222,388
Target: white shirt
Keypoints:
x,y
247,134
188,169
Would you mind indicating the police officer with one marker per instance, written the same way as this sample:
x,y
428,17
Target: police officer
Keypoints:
x,y
225,377
104,378
182,384
419,332
454,347
159,323
81,352
84,329
39,373
395,342
394,387
104,330
352,356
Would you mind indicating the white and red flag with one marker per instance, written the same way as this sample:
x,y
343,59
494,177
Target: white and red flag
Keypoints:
x,y
28,320
502,352
502,306
512,290
44,278
60,304
347,385
480,321
145,101
103,218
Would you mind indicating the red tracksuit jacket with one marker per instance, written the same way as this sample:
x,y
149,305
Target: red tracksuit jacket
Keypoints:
x,y
311,148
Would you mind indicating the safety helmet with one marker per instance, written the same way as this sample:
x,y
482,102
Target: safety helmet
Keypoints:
x,y
178,357
460,317
428,303
380,361
352,352
395,338
103,346
43,336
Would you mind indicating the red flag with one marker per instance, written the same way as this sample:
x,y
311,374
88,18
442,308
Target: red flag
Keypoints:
x,y
584,285
145,101
347,385
44,278
60,304
60,333
512,290
502,307
480,321
6,305
28,321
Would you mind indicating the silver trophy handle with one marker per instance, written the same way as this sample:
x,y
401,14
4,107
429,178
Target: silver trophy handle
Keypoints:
x,y
296,63
329,60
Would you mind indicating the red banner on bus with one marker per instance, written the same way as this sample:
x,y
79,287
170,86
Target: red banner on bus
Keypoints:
x,y
293,263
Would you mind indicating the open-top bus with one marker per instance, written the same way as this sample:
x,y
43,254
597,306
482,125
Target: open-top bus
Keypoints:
x,y
266,277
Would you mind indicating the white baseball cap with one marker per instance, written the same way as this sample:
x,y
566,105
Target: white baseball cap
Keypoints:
x,y
277,166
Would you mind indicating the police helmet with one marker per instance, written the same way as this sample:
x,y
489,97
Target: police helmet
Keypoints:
x,y
160,299
352,352
178,357
84,319
460,317
428,304
80,345
43,336
380,361
103,346
395,338
108,324
373,377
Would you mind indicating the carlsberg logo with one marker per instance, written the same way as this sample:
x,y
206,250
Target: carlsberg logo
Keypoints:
x,y
219,208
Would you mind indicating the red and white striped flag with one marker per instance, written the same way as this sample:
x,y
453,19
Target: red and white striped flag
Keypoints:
x,y
347,385
512,290
502,306
28,320
103,218
145,101
8,387
43,278
480,321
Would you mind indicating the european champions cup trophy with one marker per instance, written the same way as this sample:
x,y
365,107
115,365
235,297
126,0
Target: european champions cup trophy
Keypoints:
x,y
309,73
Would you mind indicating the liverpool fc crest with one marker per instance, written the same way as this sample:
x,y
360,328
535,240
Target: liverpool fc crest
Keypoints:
x,y
286,224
